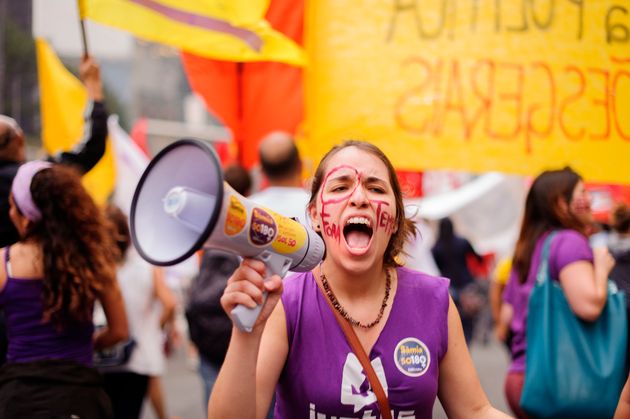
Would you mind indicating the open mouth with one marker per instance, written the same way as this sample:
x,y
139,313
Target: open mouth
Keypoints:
x,y
358,232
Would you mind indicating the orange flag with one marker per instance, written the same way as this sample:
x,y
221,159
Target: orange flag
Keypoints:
x,y
253,99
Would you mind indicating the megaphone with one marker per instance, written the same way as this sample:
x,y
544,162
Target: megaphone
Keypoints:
x,y
182,204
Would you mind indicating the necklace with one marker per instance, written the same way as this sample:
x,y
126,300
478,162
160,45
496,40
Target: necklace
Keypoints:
x,y
331,296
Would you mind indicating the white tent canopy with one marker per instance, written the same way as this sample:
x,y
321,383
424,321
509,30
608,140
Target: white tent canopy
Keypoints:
x,y
487,211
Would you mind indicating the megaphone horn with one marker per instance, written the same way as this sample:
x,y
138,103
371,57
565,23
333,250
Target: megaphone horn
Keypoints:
x,y
182,204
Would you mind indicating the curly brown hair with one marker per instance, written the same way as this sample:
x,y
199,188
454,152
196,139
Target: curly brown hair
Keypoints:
x,y
78,249
406,228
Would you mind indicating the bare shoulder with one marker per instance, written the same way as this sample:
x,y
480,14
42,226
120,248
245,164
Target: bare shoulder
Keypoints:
x,y
26,261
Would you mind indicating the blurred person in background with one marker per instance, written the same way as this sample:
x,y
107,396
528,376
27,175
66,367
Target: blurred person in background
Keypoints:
x,y
281,165
451,254
499,280
49,281
209,326
150,307
619,246
84,157
556,201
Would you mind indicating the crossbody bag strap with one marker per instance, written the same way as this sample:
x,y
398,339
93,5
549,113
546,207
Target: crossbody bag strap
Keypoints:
x,y
358,350
544,271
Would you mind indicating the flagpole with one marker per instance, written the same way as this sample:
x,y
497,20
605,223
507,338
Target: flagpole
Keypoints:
x,y
82,23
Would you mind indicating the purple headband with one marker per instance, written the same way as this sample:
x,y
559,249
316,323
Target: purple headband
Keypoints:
x,y
21,188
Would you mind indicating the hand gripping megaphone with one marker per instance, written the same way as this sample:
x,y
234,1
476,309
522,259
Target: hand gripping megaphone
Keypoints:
x,y
182,204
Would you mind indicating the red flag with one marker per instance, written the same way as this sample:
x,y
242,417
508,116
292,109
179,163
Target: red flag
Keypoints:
x,y
253,99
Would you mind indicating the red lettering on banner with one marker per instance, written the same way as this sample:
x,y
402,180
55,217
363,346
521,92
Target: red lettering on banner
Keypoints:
x,y
535,108
485,96
470,98
615,87
571,99
454,101
414,91
604,102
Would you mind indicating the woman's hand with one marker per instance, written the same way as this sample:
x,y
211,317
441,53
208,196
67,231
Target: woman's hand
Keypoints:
x,y
246,287
90,74
603,261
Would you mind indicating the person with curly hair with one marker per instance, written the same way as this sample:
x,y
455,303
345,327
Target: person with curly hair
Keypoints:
x,y
49,282
151,307
404,320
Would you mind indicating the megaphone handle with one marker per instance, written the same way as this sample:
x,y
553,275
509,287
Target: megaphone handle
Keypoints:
x,y
244,317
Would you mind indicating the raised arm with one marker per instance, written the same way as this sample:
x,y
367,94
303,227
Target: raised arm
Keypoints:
x,y
89,151
246,382
460,391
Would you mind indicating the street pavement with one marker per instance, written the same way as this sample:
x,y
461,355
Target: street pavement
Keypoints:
x,y
183,390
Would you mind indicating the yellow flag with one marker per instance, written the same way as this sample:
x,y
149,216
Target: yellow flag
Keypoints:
x,y
233,30
62,104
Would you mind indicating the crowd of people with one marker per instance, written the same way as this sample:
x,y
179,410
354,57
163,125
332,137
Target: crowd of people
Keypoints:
x,y
361,335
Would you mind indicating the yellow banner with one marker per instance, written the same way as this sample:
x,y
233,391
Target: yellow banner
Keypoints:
x,y
515,86
233,30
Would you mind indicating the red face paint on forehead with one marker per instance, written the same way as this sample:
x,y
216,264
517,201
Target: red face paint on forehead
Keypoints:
x,y
332,229
338,170
348,176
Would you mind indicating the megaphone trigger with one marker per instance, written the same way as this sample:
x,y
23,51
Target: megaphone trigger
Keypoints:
x,y
244,317
179,208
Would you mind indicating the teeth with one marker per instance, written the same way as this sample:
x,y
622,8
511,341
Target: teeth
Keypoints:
x,y
358,220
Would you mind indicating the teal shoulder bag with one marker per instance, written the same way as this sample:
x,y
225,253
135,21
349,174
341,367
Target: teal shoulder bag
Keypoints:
x,y
574,369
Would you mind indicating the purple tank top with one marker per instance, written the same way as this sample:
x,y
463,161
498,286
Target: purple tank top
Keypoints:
x,y
323,378
30,339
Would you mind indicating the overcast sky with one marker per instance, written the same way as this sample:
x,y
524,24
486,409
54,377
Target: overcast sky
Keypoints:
x,y
57,21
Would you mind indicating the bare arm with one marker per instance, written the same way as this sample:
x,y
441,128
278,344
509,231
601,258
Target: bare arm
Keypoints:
x,y
459,390
117,329
502,327
623,408
496,298
243,389
585,284
164,294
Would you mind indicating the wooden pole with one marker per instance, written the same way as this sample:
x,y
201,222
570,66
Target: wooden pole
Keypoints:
x,y
83,34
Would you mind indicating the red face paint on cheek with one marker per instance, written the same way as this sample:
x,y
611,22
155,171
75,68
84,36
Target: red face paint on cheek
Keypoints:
x,y
383,218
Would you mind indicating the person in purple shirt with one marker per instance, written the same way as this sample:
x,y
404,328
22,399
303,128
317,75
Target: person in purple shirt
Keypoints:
x,y
556,201
405,320
49,281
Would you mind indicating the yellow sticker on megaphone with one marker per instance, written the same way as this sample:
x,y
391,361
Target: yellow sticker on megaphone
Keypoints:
x,y
291,235
236,217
